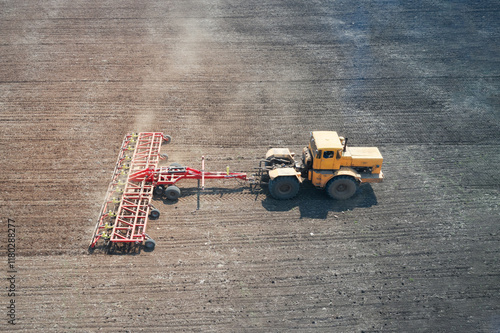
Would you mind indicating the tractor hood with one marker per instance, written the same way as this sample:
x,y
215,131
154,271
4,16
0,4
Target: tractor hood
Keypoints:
x,y
369,157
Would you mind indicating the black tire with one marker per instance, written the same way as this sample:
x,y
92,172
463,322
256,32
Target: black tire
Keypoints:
x,y
284,187
158,190
341,187
172,192
149,244
154,214
167,139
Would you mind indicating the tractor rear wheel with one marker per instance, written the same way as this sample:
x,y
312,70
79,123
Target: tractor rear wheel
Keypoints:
x,y
284,187
172,192
341,187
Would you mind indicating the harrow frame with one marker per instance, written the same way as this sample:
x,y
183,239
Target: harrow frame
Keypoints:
x,y
127,207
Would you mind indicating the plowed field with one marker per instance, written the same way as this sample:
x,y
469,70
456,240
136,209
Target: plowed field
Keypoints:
x,y
227,80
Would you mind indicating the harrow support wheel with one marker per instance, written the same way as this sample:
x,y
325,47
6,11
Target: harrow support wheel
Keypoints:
x,y
158,190
172,192
149,244
167,139
154,214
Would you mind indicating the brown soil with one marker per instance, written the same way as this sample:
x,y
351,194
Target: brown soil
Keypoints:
x,y
228,79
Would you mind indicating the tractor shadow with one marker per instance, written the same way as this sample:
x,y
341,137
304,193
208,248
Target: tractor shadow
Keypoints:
x,y
316,204
312,203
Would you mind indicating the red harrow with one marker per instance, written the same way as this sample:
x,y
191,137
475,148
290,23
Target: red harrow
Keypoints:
x,y
124,215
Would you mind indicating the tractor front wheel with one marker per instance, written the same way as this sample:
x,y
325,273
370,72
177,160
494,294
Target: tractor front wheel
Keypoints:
x,y
284,187
341,187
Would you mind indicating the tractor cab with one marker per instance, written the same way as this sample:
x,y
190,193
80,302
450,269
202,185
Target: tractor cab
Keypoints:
x,y
327,149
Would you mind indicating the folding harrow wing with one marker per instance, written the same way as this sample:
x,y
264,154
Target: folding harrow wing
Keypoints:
x,y
124,213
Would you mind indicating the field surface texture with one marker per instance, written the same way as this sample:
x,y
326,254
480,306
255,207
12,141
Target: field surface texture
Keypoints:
x,y
227,80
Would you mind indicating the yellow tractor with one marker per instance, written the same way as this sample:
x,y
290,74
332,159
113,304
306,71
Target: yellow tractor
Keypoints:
x,y
327,162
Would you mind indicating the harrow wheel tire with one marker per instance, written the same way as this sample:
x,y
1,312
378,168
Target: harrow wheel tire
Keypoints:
x,y
284,187
172,192
167,138
175,165
154,213
149,244
158,190
341,187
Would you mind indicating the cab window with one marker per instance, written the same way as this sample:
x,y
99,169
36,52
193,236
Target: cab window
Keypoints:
x,y
328,154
